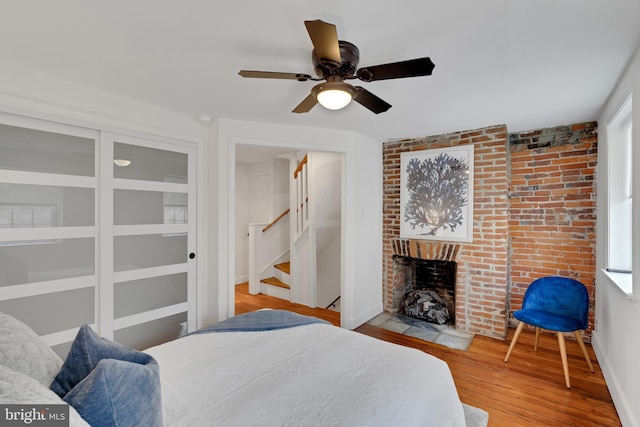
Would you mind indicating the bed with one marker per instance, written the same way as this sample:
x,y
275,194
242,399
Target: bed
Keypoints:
x,y
267,368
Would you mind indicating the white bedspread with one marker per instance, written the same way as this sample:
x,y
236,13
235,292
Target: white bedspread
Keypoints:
x,y
314,375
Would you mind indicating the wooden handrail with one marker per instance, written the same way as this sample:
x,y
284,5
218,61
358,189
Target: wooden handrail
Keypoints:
x,y
299,168
272,223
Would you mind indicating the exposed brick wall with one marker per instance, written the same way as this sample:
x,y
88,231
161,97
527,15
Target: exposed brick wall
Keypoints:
x,y
552,214
483,265
534,215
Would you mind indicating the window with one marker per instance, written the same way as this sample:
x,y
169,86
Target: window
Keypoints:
x,y
620,190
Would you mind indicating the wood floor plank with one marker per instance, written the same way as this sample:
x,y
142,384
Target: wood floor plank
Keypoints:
x,y
527,391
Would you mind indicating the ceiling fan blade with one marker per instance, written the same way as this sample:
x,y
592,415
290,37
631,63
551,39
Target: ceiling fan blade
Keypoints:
x,y
307,104
274,75
370,101
411,68
324,37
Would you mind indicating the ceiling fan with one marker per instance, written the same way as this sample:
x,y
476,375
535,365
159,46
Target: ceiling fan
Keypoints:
x,y
336,61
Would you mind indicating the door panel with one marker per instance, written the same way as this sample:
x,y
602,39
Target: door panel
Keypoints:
x,y
152,250
138,296
150,164
133,207
154,332
84,240
53,312
46,259
48,232
154,233
38,150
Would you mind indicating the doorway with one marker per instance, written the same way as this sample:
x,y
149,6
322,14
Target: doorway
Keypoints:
x,y
258,171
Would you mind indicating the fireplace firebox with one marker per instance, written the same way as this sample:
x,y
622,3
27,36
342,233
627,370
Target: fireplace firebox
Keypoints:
x,y
428,289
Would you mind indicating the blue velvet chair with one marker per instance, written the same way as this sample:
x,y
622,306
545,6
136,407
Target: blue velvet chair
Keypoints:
x,y
558,304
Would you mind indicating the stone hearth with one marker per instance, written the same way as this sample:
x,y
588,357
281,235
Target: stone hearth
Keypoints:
x,y
445,335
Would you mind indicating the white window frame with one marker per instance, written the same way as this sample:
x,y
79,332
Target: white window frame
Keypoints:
x,y
620,229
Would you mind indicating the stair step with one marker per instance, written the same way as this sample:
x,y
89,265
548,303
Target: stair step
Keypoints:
x,y
285,266
275,282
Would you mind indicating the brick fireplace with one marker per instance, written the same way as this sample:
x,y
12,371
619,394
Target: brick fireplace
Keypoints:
x,y
482,277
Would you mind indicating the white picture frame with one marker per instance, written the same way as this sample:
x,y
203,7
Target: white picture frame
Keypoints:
x,y
436,195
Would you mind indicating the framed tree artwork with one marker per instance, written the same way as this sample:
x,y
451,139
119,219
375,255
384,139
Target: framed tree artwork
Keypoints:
x,y
436,198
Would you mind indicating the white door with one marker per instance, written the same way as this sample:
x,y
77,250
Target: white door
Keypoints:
x,y
83,240
48,226
151,289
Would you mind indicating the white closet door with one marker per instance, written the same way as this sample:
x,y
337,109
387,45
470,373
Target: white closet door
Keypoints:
x,y
83,240
48,226
148,194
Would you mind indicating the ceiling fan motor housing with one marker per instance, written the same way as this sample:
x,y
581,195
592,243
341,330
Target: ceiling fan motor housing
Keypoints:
x,y
349,55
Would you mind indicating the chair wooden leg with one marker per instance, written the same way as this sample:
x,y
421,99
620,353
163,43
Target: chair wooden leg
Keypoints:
x,y
563,355
584,350
535,346
513,341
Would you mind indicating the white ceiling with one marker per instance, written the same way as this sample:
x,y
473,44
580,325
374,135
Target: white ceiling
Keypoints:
x,y
524,63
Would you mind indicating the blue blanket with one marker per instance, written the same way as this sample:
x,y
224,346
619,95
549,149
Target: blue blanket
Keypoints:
x,y
263,320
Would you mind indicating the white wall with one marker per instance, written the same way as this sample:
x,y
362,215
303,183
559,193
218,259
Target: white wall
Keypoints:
x,y
280,186
362,208
616,338
325,187
364,224
35,94
260,189
325,180
327,261
242,223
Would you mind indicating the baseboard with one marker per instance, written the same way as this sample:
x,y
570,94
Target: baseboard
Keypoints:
x,y
242,279
620,401
364,316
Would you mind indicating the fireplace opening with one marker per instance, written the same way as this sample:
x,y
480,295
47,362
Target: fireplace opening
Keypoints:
x,y
427,288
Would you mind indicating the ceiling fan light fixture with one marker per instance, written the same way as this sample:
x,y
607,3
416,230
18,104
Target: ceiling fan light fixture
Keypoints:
x,y
334,95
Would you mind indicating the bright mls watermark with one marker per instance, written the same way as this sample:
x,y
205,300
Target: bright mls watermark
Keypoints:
x,y
34,415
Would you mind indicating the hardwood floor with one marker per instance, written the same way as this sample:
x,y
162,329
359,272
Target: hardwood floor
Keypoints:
x,y
527,391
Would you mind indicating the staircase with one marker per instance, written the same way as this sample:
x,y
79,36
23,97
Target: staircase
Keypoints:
x,y
307,234
278,285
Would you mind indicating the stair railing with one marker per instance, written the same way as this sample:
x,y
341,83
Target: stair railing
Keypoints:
x,y
266,248
300,175
333,303
275,221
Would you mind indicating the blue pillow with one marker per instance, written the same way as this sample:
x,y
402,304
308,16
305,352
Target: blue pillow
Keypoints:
x,y
87,349
109,383
119,393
